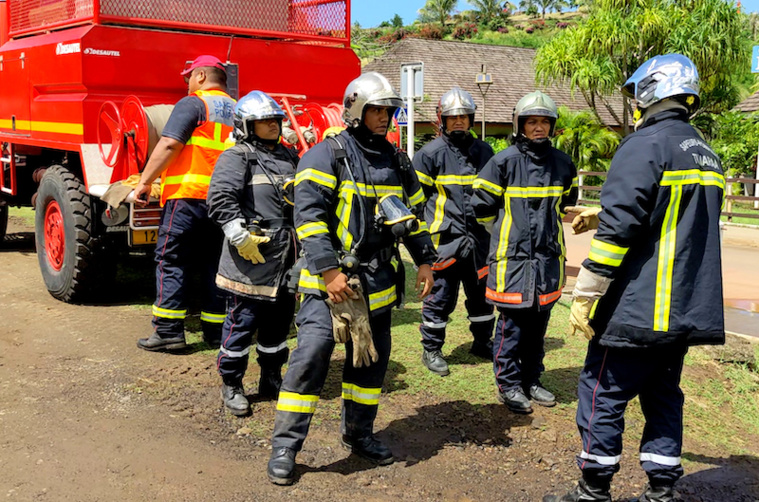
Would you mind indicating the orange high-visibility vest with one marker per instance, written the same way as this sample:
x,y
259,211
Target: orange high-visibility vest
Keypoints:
x,y
189,175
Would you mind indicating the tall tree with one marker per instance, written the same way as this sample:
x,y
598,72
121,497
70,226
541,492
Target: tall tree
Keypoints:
x,y
599,54
397,21
584,138
438,10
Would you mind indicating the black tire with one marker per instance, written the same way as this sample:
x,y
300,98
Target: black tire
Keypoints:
x,y
73,273
3,222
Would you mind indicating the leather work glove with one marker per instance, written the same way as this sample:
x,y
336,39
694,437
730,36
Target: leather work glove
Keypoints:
x,y
586,219
350,320
589,288
248,248
579,316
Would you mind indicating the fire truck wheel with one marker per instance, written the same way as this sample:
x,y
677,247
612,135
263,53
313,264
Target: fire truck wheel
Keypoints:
x,y
66,247
3,222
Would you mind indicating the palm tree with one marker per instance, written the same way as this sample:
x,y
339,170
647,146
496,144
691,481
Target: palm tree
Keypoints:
x,y
487,9
439,10
584,138
548,5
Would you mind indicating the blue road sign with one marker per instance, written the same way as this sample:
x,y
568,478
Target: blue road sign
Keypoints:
x,y
755,60
401,116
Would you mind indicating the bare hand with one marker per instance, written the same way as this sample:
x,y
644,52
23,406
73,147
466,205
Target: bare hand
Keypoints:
x,y
337,285
142,194
424,278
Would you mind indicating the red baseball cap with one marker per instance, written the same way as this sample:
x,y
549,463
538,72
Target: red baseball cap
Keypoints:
x,y
202,61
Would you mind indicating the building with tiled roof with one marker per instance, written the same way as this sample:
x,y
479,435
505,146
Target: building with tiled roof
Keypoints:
x,y
748,105
449,63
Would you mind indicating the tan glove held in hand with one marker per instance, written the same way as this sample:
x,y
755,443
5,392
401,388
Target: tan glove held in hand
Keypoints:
x,y
586,219
579,316
350,320
248,249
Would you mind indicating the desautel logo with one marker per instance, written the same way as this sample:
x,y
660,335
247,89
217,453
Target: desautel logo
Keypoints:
x,y
101,52
71,48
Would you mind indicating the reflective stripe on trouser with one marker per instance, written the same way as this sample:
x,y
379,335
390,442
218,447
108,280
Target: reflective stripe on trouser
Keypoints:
x,y
307,372
246,317
187,240
518,347
610,379
442,301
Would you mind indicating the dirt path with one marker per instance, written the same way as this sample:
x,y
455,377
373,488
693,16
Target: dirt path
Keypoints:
x,y
86,416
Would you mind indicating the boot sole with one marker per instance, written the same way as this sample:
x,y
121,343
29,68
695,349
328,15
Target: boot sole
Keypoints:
x,y
439,373
281,481
386,461
521,411
169,347
547,404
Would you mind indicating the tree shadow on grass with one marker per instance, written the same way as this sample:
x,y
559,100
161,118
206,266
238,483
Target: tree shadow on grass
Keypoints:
x,y
419,437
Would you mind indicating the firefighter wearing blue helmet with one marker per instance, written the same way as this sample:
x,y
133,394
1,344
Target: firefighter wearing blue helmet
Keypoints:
x,y
651,285
250,196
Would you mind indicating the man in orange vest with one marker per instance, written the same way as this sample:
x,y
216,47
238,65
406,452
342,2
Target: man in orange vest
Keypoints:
x,y
184,158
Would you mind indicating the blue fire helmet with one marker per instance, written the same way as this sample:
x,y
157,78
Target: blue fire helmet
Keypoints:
x,y
662,77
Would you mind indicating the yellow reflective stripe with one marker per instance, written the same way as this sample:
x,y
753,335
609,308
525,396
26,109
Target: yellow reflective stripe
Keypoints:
x,y
437,221
296,403
211,144
453,179
691,177
382,298
212,318
368,190
311,229
486,185
561,243
524,192
309,281
422,228
318,177
606,254
169,314
361,395
417,198
344,210
217,132
486,219
425,179
574,184
666,263
187,178
503,245
39,126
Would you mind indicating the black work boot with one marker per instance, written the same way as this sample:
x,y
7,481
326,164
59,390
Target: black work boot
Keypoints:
x,y
585,491
515,400
212,338
155,343
541,396
482,349
370,448
658,493
233,395
281,468
269,383
433,360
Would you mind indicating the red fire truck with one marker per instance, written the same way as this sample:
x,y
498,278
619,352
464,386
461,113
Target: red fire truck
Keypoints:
x,y
80,81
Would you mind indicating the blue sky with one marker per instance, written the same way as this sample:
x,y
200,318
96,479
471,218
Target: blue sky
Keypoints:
x,y
372,12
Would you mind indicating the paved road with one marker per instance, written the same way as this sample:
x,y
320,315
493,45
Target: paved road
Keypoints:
x,y
740,267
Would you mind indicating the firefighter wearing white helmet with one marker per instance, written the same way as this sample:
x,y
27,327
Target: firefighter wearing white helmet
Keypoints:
x,y
446,168
354,196
525,189
250,198
651,285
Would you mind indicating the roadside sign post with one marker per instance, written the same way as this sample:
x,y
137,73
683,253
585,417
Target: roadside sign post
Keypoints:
x,y
755,69
412,89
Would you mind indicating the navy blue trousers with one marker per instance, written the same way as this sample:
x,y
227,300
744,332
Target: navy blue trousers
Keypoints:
x,y
269,321
187,239
442,301
307,372
518,347
610,379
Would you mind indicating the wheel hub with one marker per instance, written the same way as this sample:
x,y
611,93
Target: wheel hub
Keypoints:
x,y
55,242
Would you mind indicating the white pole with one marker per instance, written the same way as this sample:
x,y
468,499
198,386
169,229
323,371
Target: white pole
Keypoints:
x,y
755,191
410,118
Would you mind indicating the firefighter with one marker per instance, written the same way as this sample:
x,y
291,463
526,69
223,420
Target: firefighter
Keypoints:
x,y
184,158
250,196
352,195
652,283
526,188
446,168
